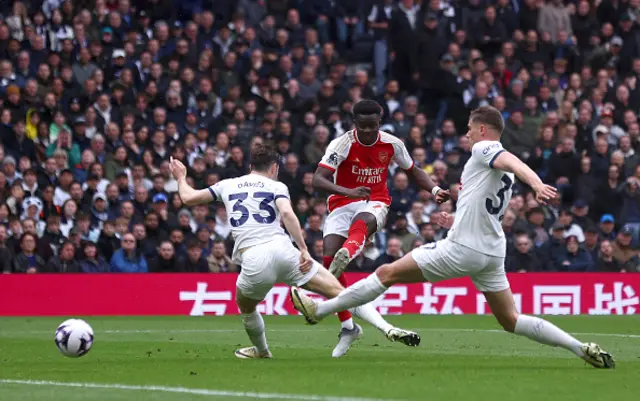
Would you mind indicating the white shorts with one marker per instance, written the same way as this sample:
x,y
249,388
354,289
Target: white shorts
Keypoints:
x,y
263,265
339,221
446,259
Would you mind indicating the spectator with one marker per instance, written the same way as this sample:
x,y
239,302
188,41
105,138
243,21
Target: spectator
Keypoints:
x,y
27,261
393,252
65,261
195,261
401,231
592,241
93,262
623,252
165,261
524,259
128,259
606,261
219,261
574,259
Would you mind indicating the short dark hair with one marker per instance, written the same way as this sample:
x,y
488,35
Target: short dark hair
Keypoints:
x,y
367,107
489,116
262,157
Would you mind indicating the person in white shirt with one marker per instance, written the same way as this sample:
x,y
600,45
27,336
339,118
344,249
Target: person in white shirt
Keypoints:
x,y
475,246
255,203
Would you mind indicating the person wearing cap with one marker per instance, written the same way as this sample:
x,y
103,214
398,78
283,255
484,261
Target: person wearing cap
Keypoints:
x,y
623,251
574,258
607,227
9,170
592,241
580,212
99,209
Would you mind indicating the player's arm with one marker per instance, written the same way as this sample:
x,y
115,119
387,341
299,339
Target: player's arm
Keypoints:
x,y
506,161
423,181
292,224
323,181
189,195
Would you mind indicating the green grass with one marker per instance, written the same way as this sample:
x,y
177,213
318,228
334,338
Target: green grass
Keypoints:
x,y
461,358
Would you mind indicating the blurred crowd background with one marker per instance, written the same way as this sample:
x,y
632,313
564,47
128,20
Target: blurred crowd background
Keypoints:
x,y
96,95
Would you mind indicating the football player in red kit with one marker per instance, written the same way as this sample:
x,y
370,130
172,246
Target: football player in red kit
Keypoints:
x,y
354,171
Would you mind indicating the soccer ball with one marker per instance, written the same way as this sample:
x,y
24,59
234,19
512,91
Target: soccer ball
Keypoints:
x,y
74,338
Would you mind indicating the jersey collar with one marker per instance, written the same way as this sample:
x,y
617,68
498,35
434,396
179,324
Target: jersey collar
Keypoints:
x,y
355,135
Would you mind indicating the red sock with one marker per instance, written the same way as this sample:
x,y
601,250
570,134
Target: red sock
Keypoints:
x,y
357,238
326,262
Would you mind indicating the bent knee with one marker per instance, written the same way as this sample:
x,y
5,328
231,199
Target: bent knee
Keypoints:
x,y
386,275
508,321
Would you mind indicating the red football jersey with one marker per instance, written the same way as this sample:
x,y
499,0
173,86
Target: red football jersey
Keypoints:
x,y
357,165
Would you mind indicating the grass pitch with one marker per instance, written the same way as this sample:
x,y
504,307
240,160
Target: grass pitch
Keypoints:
x,y
182,358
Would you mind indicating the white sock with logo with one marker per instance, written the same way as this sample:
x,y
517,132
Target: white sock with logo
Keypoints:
x,y
360,293
254,326
547,333
370,315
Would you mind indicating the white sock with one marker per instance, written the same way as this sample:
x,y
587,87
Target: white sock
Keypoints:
x,y
547,333
347,324
370,315
254,326
360,293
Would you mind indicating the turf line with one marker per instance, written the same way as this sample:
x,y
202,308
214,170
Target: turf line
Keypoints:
x,y
309,330
185,390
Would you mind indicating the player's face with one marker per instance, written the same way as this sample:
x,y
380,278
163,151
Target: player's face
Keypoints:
x,y
474,132
367,127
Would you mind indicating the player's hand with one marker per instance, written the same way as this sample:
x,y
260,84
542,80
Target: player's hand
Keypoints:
x,y
544,193
305,262
178,169
445,220
442,196
359,193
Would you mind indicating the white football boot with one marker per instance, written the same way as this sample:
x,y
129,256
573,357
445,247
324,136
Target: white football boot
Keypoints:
x,y
252,353
597,357
305,305
408,338
346,338
340,262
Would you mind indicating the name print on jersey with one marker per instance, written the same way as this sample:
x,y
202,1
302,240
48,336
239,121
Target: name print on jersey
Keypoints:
x,y
368,175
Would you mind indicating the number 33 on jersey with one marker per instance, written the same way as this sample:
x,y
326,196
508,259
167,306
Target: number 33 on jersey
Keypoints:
x,y
482,203
250,204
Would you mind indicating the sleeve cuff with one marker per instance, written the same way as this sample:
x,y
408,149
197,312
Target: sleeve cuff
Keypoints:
x,y
493,159
326,166
213,194
413,163
281,196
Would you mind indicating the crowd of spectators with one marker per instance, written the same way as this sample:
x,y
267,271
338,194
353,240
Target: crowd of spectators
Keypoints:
x,y
96,95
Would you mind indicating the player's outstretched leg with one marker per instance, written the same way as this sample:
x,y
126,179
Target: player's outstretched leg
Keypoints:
x,y
254,326
542,331
357,297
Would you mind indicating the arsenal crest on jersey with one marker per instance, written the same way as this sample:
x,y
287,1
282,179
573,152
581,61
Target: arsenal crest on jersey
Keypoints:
x,y
384,156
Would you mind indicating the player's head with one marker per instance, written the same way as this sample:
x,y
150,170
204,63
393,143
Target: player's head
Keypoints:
x,y
485,124
265,160
366,115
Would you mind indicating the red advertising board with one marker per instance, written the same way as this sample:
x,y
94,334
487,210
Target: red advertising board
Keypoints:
x,y
214,294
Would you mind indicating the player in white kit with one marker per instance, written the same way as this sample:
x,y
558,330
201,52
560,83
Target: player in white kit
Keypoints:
x,y
255,205
474,247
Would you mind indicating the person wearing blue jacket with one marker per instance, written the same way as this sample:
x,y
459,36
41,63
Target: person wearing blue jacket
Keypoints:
x,y
575,259
127,259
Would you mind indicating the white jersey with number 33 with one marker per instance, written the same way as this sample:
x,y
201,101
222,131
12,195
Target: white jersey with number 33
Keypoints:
x,y
250,201
484,196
